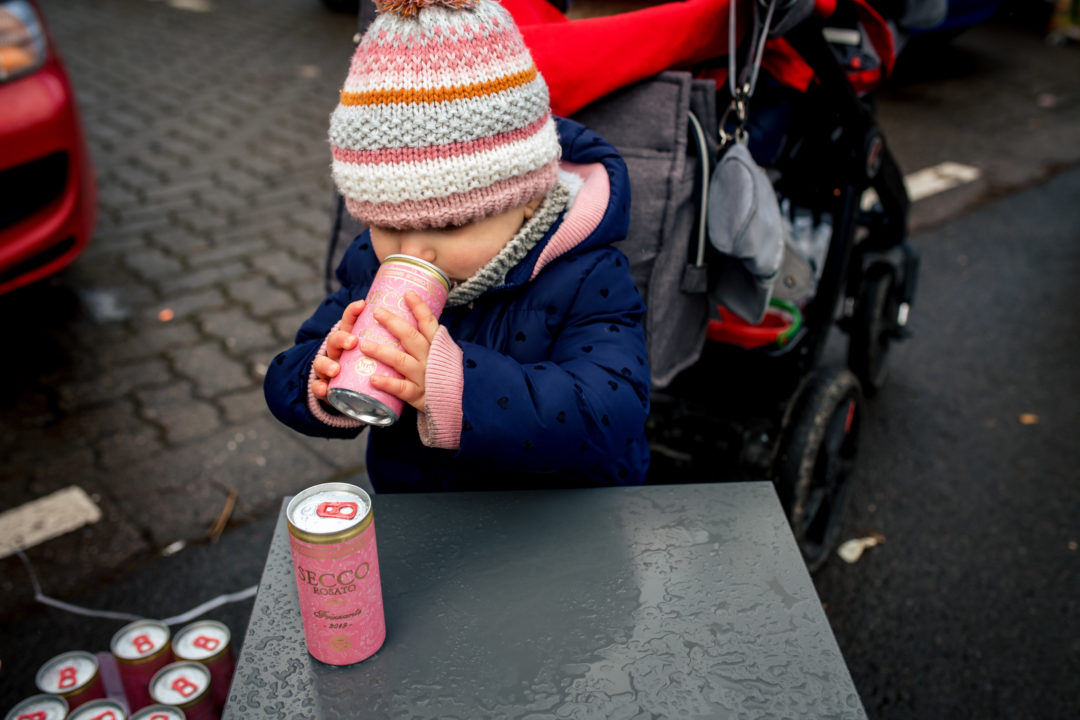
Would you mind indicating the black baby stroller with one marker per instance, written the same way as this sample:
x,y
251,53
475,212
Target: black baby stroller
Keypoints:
x,y
739,397
744,394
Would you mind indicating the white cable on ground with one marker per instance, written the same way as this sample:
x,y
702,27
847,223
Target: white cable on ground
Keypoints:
x,y
109,615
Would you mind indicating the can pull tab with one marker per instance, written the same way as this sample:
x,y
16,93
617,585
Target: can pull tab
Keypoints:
x,y
339,510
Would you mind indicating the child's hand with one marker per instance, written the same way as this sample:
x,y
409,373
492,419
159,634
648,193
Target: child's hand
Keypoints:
x,y
411,358
326,366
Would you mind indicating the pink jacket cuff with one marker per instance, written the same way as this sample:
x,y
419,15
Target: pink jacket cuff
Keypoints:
x,y
323,412
440,426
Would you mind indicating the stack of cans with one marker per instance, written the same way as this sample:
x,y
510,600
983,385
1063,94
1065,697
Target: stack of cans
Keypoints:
x,y
186,677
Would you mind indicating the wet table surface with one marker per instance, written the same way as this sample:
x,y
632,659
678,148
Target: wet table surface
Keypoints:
x,y
674,601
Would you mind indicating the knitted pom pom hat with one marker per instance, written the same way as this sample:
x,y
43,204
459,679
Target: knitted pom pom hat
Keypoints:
x,y
443,119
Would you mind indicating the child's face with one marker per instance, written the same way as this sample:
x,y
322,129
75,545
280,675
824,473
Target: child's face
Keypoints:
x,y
457,251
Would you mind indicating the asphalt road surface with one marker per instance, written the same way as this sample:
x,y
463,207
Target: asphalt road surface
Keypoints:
x,y
207,124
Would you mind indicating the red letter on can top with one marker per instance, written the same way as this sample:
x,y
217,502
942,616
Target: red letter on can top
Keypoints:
x,y
68,677
206,643
184,686
143,644
339,510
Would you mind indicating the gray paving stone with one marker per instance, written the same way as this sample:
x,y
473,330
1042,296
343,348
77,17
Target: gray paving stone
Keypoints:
x,y
180,416
211,370
152,264
262,297
118,452
286,326
236,245
150,338
203,277
184,306
242,334
260,461
180,242
114,383
203,221
241,406
283,267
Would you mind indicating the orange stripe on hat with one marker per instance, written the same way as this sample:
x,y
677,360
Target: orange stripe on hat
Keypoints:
x,y
408,96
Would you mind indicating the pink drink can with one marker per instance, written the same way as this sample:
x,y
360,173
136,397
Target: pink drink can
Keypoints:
x,y
351,391
74,676
141,649
99,710
332,534
185,685
209,642
39,707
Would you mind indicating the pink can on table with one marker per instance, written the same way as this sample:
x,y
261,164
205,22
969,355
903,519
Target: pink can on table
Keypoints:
x,y
332,534
351,391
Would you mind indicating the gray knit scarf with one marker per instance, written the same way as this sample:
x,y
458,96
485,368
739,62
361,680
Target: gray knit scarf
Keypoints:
x,y
531,232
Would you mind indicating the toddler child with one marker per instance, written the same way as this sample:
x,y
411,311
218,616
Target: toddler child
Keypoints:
x,y
536,374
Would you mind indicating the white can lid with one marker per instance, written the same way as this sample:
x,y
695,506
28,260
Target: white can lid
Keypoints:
x,y
180,683
99,710
201,640
67,672
139,639
159,712
40,707
328,508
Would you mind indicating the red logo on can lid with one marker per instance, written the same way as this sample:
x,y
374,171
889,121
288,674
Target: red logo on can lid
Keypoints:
x,y
339,510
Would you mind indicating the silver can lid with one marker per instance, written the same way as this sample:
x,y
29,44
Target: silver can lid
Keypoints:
x,y
180,684
328,509
159,712
201,640
139,640
99,710
67,672
40,707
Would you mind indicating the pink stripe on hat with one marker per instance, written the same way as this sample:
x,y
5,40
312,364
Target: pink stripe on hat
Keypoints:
x,y
461,208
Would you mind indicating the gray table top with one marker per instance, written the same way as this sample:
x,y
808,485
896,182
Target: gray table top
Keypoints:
x,y
684,601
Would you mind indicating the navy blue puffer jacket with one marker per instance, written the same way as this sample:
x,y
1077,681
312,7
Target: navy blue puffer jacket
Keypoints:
x,y
556,377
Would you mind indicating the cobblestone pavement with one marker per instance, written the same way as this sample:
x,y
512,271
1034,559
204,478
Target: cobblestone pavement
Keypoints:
x,y
207,125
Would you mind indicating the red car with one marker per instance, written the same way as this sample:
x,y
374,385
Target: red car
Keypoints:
x,y
47,189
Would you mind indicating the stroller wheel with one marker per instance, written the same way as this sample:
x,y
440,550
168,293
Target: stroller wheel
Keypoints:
x,y
873,329
814,468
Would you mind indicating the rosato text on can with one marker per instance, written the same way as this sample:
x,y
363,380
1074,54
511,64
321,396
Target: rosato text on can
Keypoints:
x,y
159,712
39,707
99,710
351,391
210,643
74,676
332,533
141,649
185,685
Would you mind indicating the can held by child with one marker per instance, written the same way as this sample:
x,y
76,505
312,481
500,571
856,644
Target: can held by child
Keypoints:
x,y
351,391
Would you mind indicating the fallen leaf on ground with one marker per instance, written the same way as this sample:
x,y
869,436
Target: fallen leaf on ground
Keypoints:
x,y
165,315
852,550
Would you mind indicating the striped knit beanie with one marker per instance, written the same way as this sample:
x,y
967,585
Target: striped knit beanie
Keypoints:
x,y
443,119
